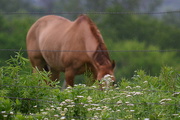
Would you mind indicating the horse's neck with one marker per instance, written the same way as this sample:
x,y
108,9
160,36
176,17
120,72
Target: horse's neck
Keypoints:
x,y
101,55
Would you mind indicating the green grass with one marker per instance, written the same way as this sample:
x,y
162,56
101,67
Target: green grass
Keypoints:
x,y
24,95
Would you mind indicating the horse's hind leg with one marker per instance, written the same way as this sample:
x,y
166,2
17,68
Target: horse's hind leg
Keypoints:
x,y
54,75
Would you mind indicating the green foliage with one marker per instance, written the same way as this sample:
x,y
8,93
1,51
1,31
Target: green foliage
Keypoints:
x,y
133,56
142,28
13,34
18,83
24,95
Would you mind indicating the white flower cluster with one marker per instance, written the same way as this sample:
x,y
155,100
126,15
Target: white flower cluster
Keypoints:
x,y
165,100
107,80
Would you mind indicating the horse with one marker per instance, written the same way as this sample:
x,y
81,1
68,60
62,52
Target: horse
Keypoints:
x,y
57,44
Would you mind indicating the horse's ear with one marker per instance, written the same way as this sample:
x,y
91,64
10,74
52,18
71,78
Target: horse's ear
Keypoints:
x,y
113,64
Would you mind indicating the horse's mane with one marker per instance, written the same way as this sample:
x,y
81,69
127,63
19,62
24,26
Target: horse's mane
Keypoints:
x,y
101,54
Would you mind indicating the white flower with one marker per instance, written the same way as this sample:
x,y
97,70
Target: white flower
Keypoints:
x,y
119,102
3,112
118,110
52,106
58,108
138,87
35,106
70,106
176,93
105,107
128,87
89,109
89,98
62,103
146,119
95,104
11,113
63,118
80,96
131,110
164,100
44,113
94,86
107,80
56,115
68,100
98,109
175,114
128,95
5,115
137,93
130,104
145,82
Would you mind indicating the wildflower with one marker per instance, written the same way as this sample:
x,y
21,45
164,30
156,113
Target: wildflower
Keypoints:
x,y
93,86
175,114
104,107
176,93
65,109
35,106
62,118
5,115
70,106
80,96
128,95
98,109
95,117
164,100
128,87
119,102
46,119
11,113
138,87
118,110
146,119
95,104
3,112
69,87
63,103
58,108
89,109
138,93
56,115
62,113
44,113
107,80
68,100
162,103
52,106
145,82
131,110
130,104
47,109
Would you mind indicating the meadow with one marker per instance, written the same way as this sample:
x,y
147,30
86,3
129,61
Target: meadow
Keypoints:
x,y
25,95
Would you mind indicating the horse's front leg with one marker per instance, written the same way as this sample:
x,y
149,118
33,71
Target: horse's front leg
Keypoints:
x,y
69,76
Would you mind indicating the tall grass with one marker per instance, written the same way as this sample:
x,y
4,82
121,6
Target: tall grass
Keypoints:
x,y
25,95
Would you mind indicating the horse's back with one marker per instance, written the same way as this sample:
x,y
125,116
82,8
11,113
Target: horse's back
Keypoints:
x,y
46,25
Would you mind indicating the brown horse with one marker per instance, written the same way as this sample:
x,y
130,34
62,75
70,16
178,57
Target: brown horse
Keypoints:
x,y
57,45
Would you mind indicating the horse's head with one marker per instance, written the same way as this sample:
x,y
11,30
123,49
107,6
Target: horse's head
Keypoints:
x,y
105,73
